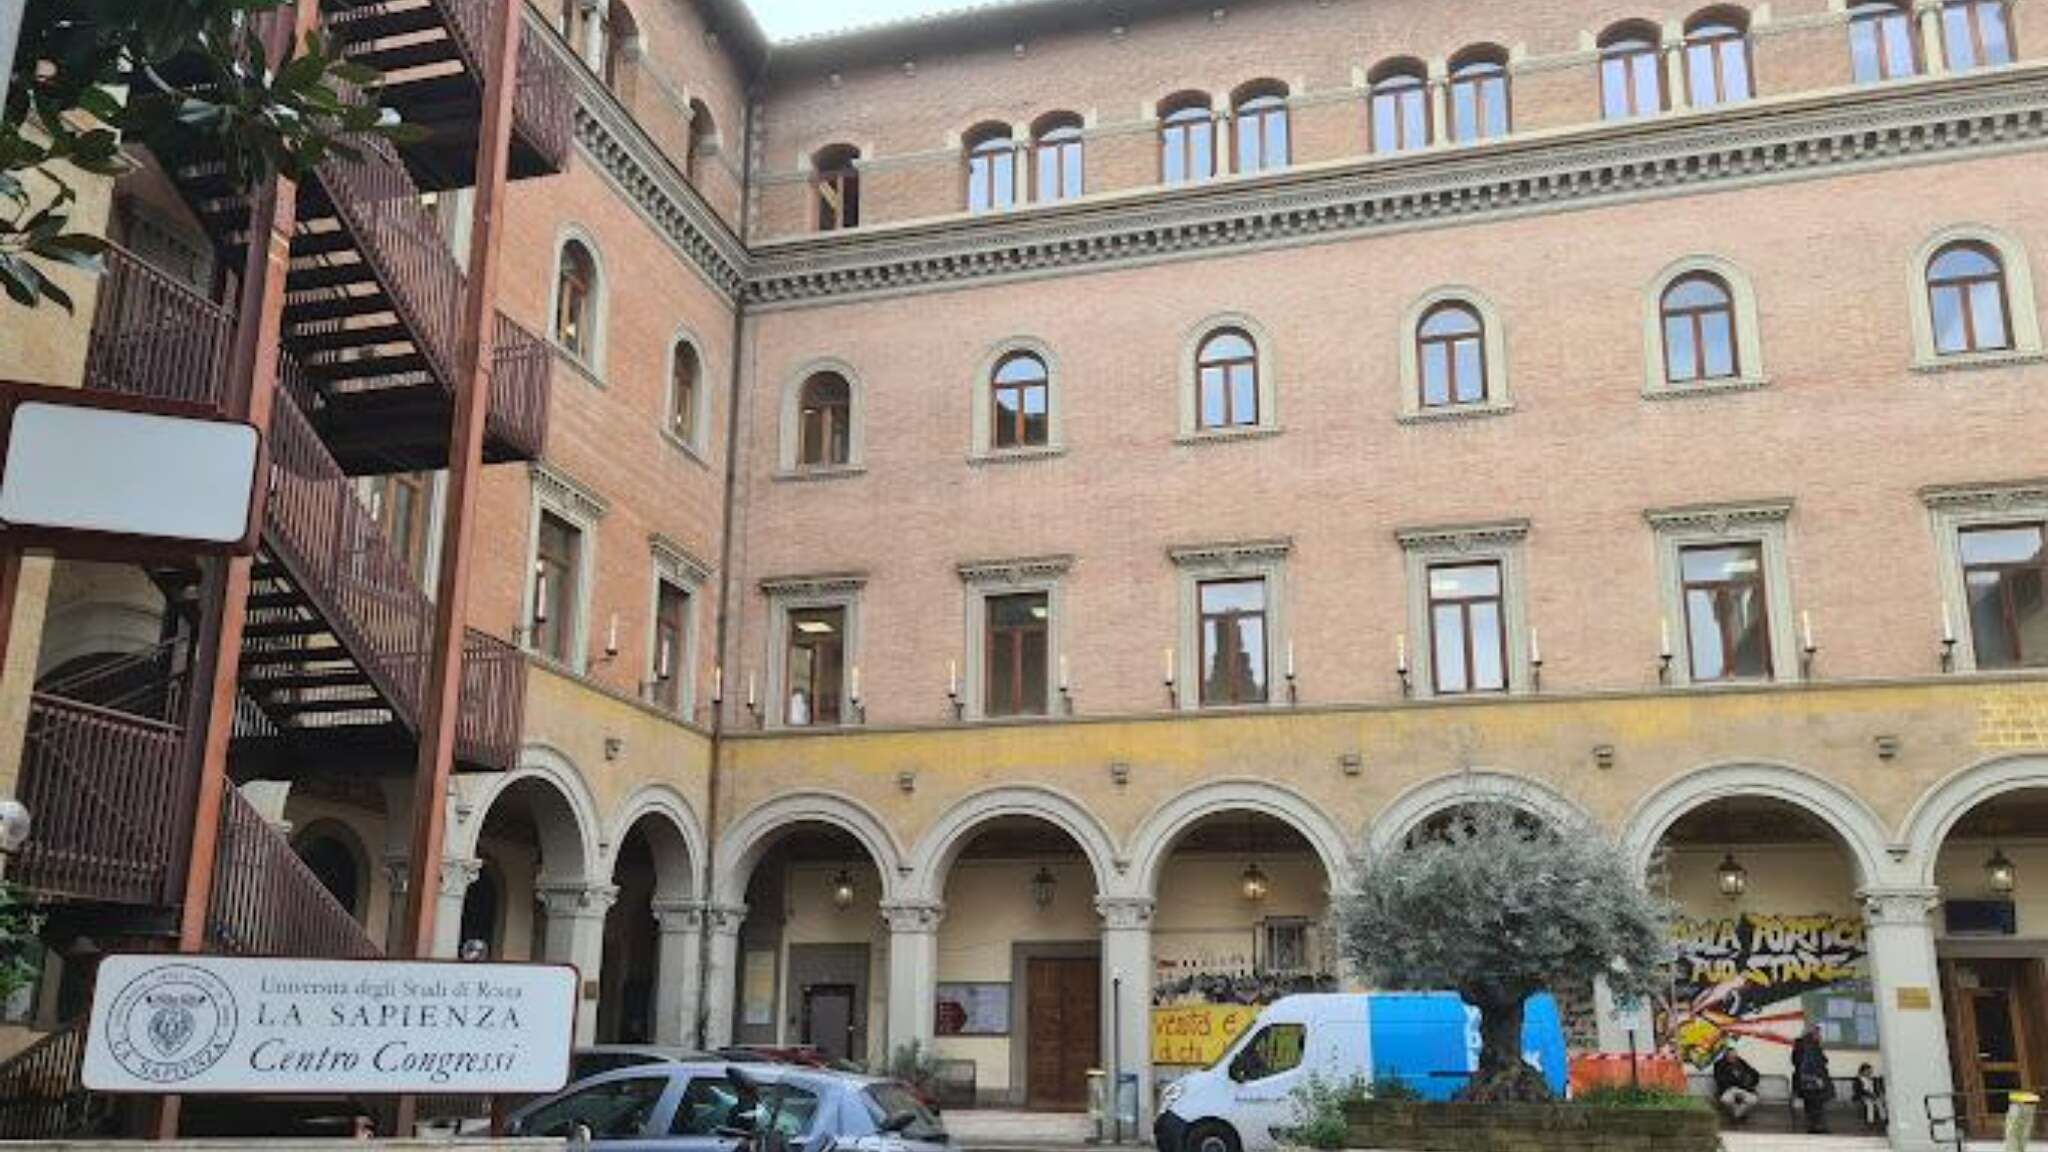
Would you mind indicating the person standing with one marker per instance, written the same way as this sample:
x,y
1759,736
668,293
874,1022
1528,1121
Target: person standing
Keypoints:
x,y
1810,1079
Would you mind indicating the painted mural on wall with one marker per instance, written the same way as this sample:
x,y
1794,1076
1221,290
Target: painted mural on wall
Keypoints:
x,y
1749,977
1206,992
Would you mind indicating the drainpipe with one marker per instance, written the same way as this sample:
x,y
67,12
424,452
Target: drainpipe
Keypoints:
x,y
698,1023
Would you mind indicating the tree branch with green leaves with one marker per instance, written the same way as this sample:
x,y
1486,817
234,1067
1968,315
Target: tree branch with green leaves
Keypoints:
x,y
188,79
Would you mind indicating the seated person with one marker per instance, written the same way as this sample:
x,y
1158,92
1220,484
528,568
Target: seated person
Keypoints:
x,y
1735,1084
1868,1094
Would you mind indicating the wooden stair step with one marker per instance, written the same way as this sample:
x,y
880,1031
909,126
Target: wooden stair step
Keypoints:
x,y
297,681
321,276
280,629
289,599
334,341
323,653
368,367
330,705
325,242
388,22
398,58
324,308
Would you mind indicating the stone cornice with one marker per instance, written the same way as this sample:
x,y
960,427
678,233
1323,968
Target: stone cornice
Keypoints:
x,y
1014,571
1764,140
1230,556
620,149
677,561
1462,537
1718,518
804,587
1986,497
571,495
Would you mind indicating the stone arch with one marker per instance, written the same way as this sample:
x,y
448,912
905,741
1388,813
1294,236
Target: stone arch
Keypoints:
x,y
2022,312
1196,337
1935,814
1861,833
1153,844
941,845
568,843
1478,785
980,427
1742,300
675,836
1492,338
753,834
349,840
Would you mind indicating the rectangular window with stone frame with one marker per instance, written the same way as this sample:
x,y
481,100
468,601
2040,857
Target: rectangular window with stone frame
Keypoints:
x,y
1233,622
1991,557
1012,637
1467,608
1725,593
813,638
562,547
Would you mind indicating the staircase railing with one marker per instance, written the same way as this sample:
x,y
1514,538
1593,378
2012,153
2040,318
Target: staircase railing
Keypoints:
x,y
402,239
154,336
42,1091
543,106
521,364
100,784
266,902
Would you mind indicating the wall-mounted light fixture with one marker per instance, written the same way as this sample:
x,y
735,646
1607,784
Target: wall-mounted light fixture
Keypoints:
x,y
1043,884
2001,875
842,890
1732,877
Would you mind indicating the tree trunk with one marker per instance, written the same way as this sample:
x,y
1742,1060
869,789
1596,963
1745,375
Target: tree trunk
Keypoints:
x,y
1503,1077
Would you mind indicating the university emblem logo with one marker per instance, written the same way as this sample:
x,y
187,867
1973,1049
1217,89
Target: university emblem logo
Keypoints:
x,y
171,1023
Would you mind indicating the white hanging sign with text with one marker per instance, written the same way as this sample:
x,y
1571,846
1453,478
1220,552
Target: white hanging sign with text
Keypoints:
x,y
209,1024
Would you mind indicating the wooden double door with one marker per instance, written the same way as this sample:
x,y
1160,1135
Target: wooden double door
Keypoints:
x,y
1998,1034
1062,1030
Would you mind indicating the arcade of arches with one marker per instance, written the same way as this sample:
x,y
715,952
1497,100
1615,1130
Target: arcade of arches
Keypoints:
x,y
1026,943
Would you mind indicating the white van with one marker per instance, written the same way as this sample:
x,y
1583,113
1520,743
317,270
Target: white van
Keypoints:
x,y
1237,1105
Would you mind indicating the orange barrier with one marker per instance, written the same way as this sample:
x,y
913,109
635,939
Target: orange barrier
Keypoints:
x,y
1611,1070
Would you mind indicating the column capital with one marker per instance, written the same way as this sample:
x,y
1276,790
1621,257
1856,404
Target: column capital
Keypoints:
x,y
398,870
724,919
572,900
913,915
678,914
458,873
1125,913
1899,907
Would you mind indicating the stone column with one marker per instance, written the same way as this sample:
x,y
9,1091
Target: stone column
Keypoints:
x,y
398,881
721,971
1933,44
592,47
913,970
680,924
575,935
1127,992
1438,85
1911,1028
1676,93
456,877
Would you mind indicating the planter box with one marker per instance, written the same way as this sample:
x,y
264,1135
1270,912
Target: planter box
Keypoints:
x,y
1529,1128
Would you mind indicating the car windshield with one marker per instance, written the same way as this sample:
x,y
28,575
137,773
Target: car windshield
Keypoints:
x,y
613,1110
889,1103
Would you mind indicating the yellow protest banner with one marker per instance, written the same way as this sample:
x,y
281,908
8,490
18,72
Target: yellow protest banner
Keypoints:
x,y
1197,1034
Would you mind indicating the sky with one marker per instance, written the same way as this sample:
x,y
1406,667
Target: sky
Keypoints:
x,y
787,19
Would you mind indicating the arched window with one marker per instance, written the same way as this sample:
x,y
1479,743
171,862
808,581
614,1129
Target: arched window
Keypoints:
x,y
1698,313
1966,298
991,168
835,184
1260,109
1187,140
1400,107
686,381
1976,34
1717,59
576,290
824,421
1479,95
621,46
1227,380
1881,42
1019,396
703,139
1450,354
1631,81
1056,156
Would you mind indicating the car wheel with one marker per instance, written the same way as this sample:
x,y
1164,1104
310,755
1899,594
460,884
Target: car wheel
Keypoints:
x,y
1212,1136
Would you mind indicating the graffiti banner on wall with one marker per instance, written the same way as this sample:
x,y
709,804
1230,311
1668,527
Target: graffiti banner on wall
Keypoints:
x,y
1745,977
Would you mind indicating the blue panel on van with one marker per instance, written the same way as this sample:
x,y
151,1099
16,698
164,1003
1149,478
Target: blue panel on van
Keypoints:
x,y
1430,1041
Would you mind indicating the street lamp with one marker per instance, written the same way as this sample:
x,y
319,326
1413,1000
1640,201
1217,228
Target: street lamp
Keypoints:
x,y
842,890
2000,872
1733,877
1042,884
1253,883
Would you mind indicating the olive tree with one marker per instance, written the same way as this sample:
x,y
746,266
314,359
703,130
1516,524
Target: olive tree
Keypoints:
x,y
1497,907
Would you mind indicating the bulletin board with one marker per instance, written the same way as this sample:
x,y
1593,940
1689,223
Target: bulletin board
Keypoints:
x,y
1846,1013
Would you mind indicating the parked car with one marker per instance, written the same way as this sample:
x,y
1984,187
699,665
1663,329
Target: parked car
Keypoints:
x,y
719,1106
1427,1040
587,1062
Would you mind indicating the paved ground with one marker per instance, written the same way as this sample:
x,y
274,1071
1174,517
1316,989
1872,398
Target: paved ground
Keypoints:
x,y
990,1130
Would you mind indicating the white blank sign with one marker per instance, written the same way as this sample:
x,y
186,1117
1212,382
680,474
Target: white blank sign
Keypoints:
x,y
131,473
